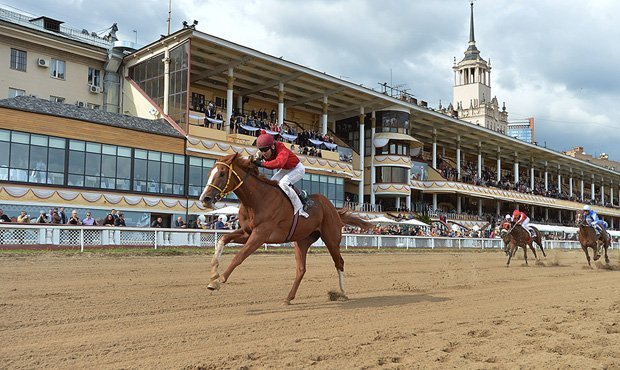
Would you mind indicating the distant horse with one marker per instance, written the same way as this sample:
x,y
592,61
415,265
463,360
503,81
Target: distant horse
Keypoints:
x,y
588,239
266,216
517,237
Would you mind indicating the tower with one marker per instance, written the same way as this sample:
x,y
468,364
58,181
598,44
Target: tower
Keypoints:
x,y
472,88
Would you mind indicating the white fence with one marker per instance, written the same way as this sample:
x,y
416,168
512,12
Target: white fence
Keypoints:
x,y
16,236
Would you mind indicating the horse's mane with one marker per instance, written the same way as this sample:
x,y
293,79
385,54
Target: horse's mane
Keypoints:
x,y
250,168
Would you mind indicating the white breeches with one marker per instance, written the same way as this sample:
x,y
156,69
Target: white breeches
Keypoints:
x,y
288,177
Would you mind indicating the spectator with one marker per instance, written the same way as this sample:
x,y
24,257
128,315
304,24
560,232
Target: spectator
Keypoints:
x,y
120,220
23,218
159,222
55,218
220,225
113,213
108,220
179,223
63,216
42,219
3,217
74,219
89,221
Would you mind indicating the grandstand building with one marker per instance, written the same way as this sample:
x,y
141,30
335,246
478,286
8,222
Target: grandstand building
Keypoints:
x,y
190,98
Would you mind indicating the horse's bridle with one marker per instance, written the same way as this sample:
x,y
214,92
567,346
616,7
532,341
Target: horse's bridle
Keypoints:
x,y
222,192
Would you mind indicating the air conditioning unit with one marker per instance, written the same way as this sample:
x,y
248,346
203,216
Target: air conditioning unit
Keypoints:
x,y
43,63
94,89
80,103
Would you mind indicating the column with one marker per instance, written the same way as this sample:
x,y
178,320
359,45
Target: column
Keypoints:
x,y
373,173
611,193
581,186
435,202
324,118
559,180
532,174
546,177
434,149
560,215
362,145
458,157
229,99
603,191
408,200
570,183
479,160
458,204
546,214
397,202
497,207
480,207
516,169
166,61
592,189
281,105
499,165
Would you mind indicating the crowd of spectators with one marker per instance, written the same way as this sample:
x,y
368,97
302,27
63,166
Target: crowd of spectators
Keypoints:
x,y
58,216
488,178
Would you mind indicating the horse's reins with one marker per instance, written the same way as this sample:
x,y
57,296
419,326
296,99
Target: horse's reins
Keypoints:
x,y
222,192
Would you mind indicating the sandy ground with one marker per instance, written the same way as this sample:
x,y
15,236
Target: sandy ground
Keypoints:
x,y
406,310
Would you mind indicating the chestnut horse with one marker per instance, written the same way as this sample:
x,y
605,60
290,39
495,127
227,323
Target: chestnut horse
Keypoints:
x,y
588,239
517,237
266,216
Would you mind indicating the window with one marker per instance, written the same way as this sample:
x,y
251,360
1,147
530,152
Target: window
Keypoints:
x,y
16,92
102,166
93,106
57,99
18,60
94,77
31,158
57,69
156,172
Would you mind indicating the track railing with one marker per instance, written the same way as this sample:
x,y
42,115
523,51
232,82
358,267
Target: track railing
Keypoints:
x,y
35,236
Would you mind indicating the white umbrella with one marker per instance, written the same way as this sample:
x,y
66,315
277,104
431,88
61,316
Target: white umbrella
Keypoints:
x,y
228,210
414,222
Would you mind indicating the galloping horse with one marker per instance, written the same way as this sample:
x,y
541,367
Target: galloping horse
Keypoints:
x,y
266,216
517,237
588,239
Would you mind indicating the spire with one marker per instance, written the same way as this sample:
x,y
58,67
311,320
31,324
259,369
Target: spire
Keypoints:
x,y
472,39
472,53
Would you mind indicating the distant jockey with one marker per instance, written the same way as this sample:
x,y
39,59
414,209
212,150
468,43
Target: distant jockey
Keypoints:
x,y
275,155
506,223
592,219
520,218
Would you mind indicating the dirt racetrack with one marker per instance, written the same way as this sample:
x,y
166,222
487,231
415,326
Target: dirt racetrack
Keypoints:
x,y
406,310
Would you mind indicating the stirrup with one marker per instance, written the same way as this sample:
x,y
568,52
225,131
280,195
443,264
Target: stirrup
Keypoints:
x,y
303,196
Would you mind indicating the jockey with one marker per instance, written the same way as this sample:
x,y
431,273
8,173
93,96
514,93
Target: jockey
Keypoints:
x,y
275,155
592,219
521,218
506,222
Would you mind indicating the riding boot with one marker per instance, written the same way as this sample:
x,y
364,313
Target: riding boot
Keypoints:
x,y
302,194
295,201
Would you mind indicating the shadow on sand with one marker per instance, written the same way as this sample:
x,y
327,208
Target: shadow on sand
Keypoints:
x,y
390,300
352,303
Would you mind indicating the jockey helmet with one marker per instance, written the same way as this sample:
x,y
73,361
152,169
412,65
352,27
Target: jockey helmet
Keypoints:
x,y
507,217
586,207
264,141
516,213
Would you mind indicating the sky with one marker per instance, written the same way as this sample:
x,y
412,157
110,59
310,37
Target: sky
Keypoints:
x,y
552,60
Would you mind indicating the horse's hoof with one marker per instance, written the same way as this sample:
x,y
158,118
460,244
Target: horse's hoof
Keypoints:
x,y
286,302
596,257
214,285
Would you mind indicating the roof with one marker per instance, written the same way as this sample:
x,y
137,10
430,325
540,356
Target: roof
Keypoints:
x,y
42,106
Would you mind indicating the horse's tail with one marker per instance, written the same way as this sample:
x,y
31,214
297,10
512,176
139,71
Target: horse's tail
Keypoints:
x,y
348,218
